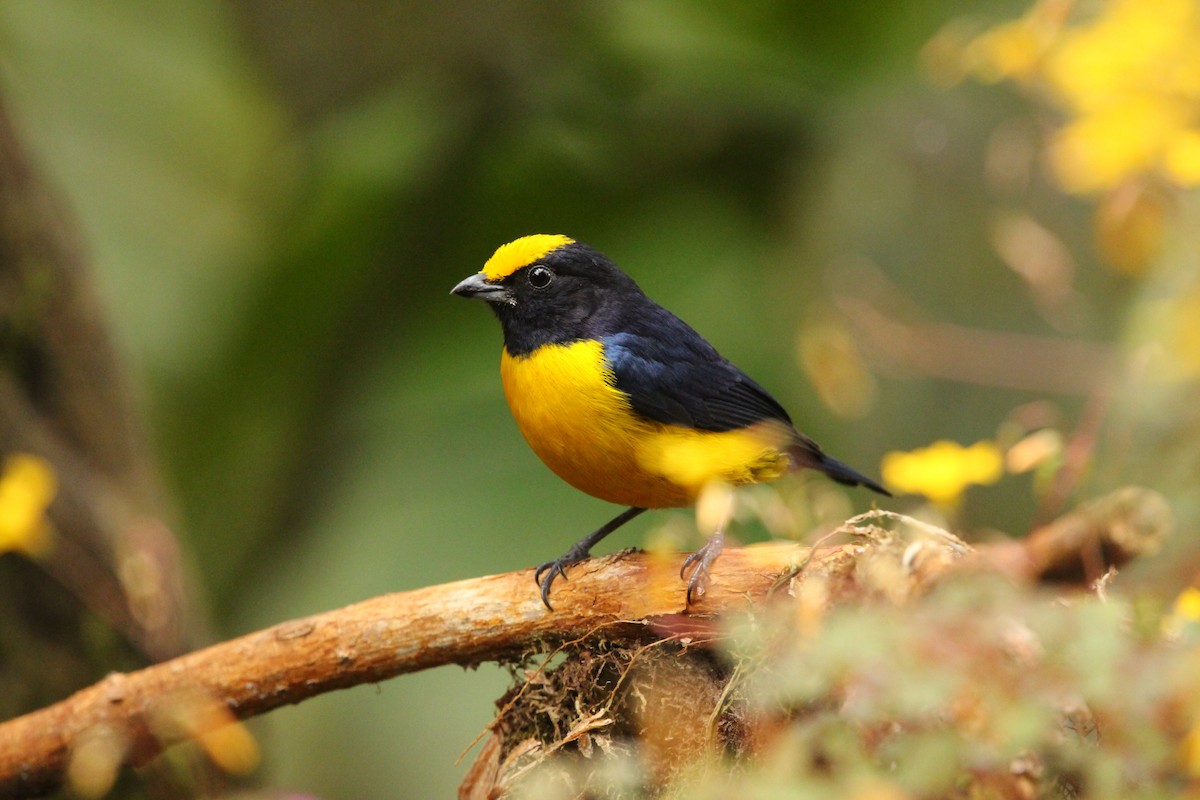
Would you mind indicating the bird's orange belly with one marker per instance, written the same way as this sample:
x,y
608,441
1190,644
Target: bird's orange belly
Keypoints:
x,y
574,418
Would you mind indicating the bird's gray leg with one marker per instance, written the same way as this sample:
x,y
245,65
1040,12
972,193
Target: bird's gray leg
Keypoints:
x,y
578,552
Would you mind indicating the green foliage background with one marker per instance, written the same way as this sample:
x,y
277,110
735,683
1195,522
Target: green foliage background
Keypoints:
x,y
279,196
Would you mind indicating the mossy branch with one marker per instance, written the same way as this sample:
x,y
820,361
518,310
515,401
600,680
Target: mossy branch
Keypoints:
x,y
495,618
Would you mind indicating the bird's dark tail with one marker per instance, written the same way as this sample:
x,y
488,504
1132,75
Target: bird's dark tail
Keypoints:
x,y
806,453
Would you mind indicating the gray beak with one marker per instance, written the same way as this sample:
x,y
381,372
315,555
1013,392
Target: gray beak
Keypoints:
x,y
478,287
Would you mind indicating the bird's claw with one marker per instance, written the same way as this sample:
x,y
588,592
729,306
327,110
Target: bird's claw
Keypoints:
x,y
697,585
698,563
578,552
554,566
551,570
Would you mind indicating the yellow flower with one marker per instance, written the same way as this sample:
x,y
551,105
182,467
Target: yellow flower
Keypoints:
x,y
1182,159
1131,79
1185,612
1132,48
27,485
943,470
1187,605
1110,145
1128,79
1016,49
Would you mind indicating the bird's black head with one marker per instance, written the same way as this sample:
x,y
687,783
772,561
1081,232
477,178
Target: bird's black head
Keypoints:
x,y
549,289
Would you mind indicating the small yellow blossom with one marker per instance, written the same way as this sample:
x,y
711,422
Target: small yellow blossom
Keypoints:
x,y
1185,612
1187,605
27,485
943,470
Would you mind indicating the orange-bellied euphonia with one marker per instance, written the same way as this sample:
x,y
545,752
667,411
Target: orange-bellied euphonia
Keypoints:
x,y
622,399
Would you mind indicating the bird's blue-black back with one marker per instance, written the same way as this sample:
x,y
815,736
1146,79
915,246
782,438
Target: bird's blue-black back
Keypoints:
x,y
672,375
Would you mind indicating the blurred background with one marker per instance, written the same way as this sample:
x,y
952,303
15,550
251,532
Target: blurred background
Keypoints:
x,y
913,222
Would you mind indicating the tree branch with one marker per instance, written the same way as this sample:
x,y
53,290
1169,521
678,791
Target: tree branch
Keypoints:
x,y
482,619
467,622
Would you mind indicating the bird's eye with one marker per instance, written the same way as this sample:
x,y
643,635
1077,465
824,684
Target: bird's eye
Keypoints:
x,y
540,277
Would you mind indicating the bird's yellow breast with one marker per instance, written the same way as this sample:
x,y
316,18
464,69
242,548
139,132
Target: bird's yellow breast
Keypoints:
x,y
568,408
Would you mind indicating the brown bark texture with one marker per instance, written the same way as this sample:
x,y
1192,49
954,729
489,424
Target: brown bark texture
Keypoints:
x,y
501,617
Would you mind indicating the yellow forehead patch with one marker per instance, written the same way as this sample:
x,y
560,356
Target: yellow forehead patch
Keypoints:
x,y
522,252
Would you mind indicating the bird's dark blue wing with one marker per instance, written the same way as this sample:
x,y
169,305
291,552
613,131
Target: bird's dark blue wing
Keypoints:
x,y
672,375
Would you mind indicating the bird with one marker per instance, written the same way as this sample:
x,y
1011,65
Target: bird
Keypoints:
x,y
624,400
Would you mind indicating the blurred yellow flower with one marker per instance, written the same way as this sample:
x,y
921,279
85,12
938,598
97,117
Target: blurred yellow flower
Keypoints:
x,y
1185,612
1128,80
1183,158
27,485
1187,605
1103,148
943,470
1015,50
1132,80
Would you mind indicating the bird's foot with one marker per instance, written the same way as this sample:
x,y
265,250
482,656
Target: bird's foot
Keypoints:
x,y
578,552
698,563
556,568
